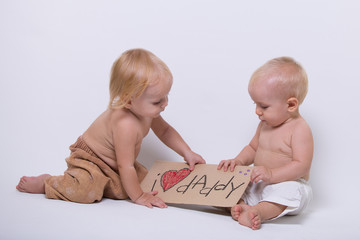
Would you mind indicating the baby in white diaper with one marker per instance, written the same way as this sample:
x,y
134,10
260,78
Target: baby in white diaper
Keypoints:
x,y
282,148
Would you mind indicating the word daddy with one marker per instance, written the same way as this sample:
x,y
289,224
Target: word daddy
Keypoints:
x,y
204,185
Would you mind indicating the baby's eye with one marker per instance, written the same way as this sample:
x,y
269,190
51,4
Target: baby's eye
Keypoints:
x,y
262,106
157,103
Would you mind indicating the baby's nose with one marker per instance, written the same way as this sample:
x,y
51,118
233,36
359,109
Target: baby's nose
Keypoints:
x,y
258,111
164,105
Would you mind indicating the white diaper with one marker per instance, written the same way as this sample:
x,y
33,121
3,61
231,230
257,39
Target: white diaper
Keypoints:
x,y
294,194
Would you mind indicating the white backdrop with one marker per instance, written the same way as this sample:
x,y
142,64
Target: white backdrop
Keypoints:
x,y
55,60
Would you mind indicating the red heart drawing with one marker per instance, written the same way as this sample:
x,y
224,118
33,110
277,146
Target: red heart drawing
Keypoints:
x,y
172,177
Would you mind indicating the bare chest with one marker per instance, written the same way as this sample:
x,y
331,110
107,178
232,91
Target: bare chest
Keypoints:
x,y
274,146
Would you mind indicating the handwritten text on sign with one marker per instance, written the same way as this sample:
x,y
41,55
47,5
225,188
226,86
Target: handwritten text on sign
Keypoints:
x,y
205,185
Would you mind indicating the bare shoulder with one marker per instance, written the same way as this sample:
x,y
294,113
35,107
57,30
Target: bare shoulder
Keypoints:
x,y
301,133
122,119
301,126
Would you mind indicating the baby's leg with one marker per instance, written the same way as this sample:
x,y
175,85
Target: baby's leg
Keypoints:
x,y
33,184
269,210
253,216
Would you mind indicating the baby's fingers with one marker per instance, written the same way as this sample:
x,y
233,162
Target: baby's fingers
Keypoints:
x,y
149,205
154,193
158,203
225,164
221,164
232,166
191,166
255,177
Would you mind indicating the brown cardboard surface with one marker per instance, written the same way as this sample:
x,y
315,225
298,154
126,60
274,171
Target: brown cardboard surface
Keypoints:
x,y
205,185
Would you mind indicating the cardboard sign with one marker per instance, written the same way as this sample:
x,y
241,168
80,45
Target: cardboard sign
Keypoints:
x,y
205,185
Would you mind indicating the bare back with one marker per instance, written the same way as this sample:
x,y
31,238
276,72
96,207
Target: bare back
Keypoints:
x,y
99,136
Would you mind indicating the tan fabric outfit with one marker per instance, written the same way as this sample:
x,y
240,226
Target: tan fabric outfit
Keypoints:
x,y
88,179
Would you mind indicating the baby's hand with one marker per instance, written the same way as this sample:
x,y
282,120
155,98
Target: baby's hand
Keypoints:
x,y
193,158
261,173
226,163
149,200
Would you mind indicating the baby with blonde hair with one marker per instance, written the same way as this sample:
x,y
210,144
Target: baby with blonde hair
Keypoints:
x,y
103,162
282,148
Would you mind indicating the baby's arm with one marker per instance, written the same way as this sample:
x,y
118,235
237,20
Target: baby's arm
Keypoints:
x,y
302,148
125,135
171,138
245,157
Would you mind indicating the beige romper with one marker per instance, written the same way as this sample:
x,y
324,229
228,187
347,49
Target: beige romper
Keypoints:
x,y
88,178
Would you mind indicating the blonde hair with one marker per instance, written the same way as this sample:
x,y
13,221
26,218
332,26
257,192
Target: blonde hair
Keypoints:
x,y
288,76
131,73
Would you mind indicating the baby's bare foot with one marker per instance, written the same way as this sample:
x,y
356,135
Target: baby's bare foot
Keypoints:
x,y
236,211
250,217
256,220
32,184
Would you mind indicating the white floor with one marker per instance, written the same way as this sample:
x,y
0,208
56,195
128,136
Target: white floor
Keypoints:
x,y
32,216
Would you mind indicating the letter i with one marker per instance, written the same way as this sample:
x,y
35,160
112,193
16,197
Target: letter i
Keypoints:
x,y
152,189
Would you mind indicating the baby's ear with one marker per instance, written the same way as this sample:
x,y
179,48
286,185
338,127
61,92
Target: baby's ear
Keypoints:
x,y
128,104
293,104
